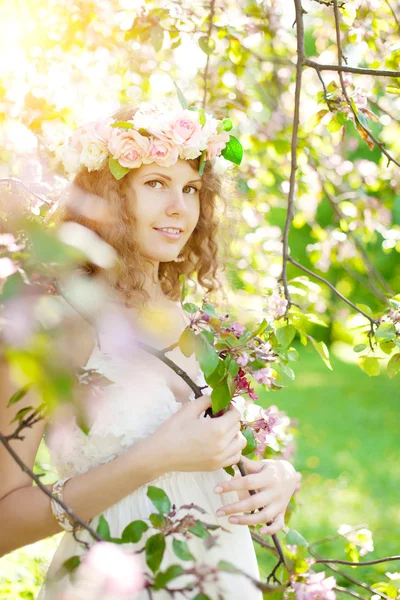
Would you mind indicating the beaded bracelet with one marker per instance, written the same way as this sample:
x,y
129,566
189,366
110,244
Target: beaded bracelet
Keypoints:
x,y
59,513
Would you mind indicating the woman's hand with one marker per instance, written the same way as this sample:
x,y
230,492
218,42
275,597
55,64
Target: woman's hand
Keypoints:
x,y
186,441
274,482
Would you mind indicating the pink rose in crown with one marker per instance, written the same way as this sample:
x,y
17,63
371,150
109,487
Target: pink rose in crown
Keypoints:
x,y
162,152
129,147
216,144
186,129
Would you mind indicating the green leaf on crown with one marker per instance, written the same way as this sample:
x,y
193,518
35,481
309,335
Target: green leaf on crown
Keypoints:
x,y
123,124
233,151
116,169
181,97
202,162
226,125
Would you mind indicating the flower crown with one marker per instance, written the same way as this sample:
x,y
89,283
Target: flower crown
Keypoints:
x,y
158,133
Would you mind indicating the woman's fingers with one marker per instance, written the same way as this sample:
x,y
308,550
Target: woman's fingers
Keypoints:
x,y
277,524
264,516
257,501
249,482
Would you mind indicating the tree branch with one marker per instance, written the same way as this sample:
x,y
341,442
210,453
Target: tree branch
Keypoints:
x,y
210,26
334,290
350,104
346,69
296,120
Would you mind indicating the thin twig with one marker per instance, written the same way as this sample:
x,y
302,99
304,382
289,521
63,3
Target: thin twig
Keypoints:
x,y
339,588
210,26
334,290
366,563
293,167
350,104
345,68
44,489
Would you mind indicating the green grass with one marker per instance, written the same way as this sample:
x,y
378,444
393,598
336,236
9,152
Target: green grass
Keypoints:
x,y
348,453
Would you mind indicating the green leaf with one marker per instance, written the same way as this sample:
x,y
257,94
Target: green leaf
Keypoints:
x,y
221,396
21,413
158,521
116,169
202,597
323,351
393,366
190,307
12,286
157,37
224,565
207,44
21,393
369,365
181,97
359,347
209,309
155,547
233,151
187,341
233,368
181,550
251,442
217,375
285,335
285,369
202,162
200,530
164,577
103,529
182,279
123,124
206,355
71,563
159,498
134,531
294,538
387,347
226,125
385,331
229,470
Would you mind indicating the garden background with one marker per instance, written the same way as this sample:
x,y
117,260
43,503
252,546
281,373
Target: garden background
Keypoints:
x,y
63,65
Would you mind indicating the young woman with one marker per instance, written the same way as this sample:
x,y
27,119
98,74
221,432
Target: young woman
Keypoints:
x,y
161,219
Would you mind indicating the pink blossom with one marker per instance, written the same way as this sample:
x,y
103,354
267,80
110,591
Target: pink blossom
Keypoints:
x,y
315,588
264,376
106,571
128,147
7,267
243,359
277,304
216,144
238,329
162,152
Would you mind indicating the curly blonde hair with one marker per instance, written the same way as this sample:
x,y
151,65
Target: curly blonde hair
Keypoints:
x,y
127,276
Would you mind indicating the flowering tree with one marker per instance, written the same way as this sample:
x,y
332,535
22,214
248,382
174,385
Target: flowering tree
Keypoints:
x,y
324,203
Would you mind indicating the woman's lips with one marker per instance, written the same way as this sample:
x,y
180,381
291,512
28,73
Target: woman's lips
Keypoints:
x,y
171,236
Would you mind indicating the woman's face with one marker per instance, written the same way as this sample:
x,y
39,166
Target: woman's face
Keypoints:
x,y
164,197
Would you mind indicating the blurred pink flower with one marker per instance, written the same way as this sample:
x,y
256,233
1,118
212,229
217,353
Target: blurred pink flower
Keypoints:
x,y
7,267
216,144
243,359
106,572
264,376
237,328
315,588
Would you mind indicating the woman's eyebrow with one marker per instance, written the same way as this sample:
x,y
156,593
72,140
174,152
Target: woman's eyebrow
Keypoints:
x,y
166,177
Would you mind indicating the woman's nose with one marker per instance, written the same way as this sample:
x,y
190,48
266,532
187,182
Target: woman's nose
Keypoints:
x,y
176,201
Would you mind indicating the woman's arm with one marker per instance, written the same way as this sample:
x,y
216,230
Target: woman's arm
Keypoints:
x,y
26,515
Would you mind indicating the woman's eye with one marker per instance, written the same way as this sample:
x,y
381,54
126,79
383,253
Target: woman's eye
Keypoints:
x,y
153,181
192,187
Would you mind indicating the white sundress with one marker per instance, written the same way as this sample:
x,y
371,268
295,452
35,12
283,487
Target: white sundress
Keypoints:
x,y
132,408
